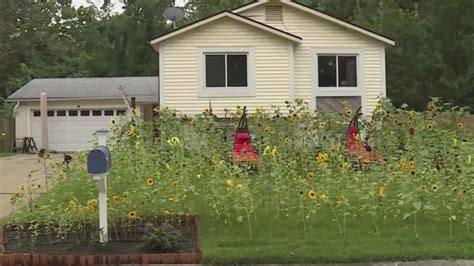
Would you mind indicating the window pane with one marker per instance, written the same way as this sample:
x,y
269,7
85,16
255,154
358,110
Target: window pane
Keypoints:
x,y
109,112
85,113
327,71
215,71
36,113
50,113
121,112
237,70
61,113
347,71
72,113
97,113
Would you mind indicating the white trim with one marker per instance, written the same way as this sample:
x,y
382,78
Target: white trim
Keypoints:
x,y
249,6
227,14
359,91
384,74
291,71
323,16
161,75
248,91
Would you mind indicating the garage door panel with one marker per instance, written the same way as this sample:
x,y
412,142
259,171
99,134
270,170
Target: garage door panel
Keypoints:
x,y
70,133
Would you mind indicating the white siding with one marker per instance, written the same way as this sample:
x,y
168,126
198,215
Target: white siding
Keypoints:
x,y
319,33
179,69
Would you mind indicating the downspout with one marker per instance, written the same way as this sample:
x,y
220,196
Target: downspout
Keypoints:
x,y
15,108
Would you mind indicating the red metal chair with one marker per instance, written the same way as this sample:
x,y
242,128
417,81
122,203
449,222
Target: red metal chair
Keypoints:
x,y
355,146
242,150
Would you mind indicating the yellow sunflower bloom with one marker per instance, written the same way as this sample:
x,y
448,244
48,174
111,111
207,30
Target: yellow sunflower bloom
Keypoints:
x,y
116,199
90,205
132,215
274,152
322,125
133,131
230,183
411,164
434,188
312,195
382,191
267,130
173,199
323,198
341,200
267,150
322,157
150,182
460,125
429,126
113,122
238,188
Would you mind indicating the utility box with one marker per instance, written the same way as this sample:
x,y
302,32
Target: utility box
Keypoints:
x,y
99,160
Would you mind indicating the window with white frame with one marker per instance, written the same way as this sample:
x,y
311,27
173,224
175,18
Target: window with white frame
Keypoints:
x,y
226,72
337,70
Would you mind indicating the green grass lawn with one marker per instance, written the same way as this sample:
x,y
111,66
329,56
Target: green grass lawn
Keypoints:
x,y
286,242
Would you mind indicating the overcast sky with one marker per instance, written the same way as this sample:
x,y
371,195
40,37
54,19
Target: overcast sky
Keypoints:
x,y
117,3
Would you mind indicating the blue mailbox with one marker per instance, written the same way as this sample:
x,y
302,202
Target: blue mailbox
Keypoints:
x,y
99,160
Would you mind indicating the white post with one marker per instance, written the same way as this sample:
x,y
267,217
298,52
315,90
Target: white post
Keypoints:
x,y
102,185
44,121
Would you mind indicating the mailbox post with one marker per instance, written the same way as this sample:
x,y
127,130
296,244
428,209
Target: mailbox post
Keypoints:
x,y
99,162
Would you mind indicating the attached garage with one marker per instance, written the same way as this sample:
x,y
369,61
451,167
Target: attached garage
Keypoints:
x,y
77,108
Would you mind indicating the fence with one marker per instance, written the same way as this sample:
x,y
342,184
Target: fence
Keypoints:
x,y
7,134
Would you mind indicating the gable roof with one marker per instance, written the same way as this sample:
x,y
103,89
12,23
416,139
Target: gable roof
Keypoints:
x,y
143,88
322,15
235,17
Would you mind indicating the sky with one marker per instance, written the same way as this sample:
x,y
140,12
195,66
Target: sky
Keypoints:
x,y
117,3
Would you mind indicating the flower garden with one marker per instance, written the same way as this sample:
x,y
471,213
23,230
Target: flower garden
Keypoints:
x,y
306,200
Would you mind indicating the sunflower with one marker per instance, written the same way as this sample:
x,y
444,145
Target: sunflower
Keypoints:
x,y
429,126
116,199
133,131
150,182
322,125
274,152
322,157
312,195
382,191
341,200
412,173
267,130
411,164
348,113
323,198
167,212
230,184
12,200
411,131
460,125
287,140
113,122
238,188
173,199
220,131
90,205
309,177
132,215
403,166
301,193
267,150
434,188
22,187
423,188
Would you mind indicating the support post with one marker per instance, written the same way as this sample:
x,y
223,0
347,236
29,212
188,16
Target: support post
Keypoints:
x,y
44,121
102,186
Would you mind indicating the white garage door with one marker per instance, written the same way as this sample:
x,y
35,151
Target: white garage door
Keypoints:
x,y
72,130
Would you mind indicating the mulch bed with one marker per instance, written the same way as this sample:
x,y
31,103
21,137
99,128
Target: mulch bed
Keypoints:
x,y
21,246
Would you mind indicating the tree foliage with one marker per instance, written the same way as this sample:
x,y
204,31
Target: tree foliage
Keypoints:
x,y
434,55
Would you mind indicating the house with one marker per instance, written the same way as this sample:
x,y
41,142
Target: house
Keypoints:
x,y
269,52
78,107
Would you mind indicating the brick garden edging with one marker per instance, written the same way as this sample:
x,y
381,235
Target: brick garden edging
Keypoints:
x,y
43,259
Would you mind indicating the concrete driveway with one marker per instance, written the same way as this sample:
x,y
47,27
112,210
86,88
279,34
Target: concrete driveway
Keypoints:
x,y
14,171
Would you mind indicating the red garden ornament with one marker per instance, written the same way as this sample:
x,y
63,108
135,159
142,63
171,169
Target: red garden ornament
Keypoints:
x,y
357,147
243,151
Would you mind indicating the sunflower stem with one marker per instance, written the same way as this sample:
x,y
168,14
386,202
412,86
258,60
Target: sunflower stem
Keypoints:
x,y
250,223
341,232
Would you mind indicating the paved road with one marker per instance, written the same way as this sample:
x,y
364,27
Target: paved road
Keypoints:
x,y
14,171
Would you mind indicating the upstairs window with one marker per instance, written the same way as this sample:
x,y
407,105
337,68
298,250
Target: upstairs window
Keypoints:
x,y
226,70
337,70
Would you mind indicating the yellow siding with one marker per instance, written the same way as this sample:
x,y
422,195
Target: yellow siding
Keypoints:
x,y
179,63
319,33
